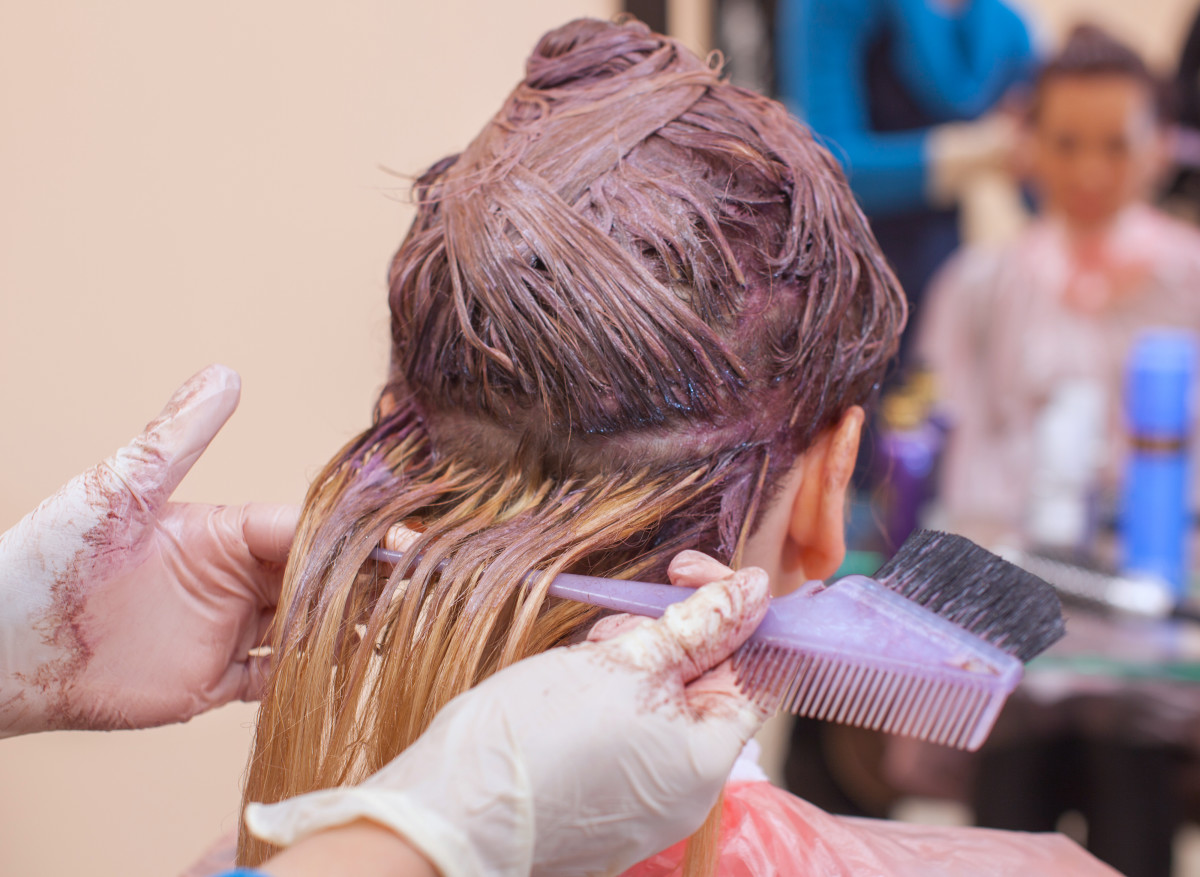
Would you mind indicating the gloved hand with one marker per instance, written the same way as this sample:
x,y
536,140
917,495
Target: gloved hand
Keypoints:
x,y
580,760
119,609
957,152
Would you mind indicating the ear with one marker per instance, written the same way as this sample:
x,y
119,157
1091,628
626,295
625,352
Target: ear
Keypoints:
x,y
816,535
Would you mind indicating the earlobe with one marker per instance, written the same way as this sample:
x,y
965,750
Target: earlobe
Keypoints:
x,y
818,525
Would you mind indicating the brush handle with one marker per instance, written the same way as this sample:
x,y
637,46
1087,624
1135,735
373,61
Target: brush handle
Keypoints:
x,y
636,598
621,595
651,601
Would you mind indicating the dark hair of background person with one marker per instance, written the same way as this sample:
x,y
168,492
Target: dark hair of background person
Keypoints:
x,y
1090,51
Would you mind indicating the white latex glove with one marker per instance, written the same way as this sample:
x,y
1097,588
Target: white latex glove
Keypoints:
x,y
956,153
119,609
581,760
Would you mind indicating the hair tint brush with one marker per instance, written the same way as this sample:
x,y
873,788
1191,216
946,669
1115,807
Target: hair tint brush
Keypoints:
x,y
929,648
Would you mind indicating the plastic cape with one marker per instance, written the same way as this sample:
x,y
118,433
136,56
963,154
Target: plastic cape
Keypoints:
x,y
767,831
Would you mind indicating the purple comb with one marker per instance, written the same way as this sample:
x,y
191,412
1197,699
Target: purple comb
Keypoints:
x,y
859,653
854,653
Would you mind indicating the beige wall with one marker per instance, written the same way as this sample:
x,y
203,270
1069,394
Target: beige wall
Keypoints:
x,y
1155,27
187,183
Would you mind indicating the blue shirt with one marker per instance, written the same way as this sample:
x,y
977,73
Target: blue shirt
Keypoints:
x,y
954,64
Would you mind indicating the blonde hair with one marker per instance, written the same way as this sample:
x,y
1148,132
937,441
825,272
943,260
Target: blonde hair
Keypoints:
x,y
619,314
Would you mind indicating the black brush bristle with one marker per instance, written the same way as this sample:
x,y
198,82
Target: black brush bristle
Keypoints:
x,y
1012,609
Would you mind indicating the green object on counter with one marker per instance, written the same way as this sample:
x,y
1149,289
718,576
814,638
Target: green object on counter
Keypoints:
x,y
1096,665
860,563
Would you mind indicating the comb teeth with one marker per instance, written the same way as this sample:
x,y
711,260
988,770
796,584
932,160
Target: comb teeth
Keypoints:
x,y
875,695
984,594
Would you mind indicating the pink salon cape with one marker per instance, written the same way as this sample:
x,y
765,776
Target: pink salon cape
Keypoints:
x,y
766,831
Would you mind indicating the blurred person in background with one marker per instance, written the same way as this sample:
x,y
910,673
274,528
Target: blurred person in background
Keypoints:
x,y
1028,344
904,93
1007,329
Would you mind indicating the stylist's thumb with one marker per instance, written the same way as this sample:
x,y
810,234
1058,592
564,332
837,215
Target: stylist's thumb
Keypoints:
x,y
730,714
697,634
688,649
153,464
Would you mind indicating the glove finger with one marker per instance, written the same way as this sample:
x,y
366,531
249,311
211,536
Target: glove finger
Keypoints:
x,y
697,634
246,675
258,670
262,632
154,463
718,696
252,542
692,569
269,529
258,666
400,538
612,625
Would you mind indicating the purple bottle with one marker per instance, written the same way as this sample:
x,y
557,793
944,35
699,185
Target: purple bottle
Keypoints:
x,y
907,452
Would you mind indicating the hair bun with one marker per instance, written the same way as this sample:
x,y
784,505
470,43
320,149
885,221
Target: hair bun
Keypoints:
x,y
588,49
632,241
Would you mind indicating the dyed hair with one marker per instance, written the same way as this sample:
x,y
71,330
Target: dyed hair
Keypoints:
x,y
1090,51
618,317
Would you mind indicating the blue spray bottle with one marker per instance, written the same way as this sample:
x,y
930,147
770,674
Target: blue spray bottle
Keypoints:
x,y
1155,514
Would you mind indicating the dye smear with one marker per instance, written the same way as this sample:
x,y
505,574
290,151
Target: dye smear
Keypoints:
x,y
679,681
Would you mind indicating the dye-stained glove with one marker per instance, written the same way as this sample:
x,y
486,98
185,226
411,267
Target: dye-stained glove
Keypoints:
x,y
119,609
581,760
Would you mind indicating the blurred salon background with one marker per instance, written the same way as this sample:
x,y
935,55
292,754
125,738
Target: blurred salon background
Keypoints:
x,y
181,185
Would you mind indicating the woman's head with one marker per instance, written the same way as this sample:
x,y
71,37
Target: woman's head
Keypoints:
x,y
621,315
1097,129
635,263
